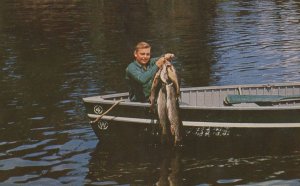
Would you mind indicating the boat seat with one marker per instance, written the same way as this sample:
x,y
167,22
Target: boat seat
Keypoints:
x,y
259,99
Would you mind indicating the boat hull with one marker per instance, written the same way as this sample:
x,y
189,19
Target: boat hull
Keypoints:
x,y
204,107
202,117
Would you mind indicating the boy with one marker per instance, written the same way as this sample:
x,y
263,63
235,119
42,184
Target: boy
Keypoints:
x,y
141,71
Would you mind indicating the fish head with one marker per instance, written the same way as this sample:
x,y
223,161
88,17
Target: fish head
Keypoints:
x,y
173,78
168,75
164,74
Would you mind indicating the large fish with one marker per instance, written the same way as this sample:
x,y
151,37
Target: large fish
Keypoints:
x,y
167,102
173,113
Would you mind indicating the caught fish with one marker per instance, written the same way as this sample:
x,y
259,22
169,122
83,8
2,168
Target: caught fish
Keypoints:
x,y
172,75
167,102
163,115
173,113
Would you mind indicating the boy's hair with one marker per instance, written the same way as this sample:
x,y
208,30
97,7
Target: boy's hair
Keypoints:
x,y
142,45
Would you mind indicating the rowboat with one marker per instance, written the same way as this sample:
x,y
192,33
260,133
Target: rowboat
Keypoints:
x,y
274,105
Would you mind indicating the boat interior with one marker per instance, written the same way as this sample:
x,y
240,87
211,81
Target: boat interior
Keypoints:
x,y
244,96
279,95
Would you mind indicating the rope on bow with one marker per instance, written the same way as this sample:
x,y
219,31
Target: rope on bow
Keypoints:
x,y
108,110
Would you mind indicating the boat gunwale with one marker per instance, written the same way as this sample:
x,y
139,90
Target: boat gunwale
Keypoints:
x,y
187,123
140,104
208,107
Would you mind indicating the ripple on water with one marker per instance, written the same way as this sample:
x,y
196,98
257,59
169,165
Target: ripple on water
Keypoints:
x,y
29,180
76,146
36,118
34,155
293,182
30,146
12,163
228,181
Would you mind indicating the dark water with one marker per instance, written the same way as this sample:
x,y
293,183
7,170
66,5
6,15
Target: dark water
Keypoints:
x,y
53,53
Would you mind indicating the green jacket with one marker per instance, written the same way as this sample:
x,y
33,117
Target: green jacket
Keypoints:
x,y
140,80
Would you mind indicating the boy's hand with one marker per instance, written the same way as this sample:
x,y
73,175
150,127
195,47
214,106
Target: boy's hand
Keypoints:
x,y
169,56
162,60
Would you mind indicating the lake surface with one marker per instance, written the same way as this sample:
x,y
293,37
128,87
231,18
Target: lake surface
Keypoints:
x,y
54,53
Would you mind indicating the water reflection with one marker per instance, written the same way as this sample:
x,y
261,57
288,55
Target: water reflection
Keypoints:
x,y
171,167
240,159
39,86
59,158
144,164
256,42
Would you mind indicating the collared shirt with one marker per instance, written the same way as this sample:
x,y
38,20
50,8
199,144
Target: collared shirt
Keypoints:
x,y
140,79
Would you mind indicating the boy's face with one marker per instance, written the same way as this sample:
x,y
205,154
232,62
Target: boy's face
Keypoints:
x,y
142,56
